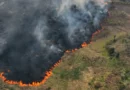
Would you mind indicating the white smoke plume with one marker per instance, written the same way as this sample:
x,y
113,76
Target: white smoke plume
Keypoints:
x,y
34,34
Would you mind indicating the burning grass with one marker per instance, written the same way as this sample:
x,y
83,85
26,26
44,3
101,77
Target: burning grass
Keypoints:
x,y
101,75
111,75
74,74
45,36
21,84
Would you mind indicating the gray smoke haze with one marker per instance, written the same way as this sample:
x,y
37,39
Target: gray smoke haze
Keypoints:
x,y
34,34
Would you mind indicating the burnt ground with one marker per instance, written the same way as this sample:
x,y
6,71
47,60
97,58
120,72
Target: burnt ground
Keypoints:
x,y
103,65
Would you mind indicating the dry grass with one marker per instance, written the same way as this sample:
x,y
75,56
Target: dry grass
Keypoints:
x,y
91,68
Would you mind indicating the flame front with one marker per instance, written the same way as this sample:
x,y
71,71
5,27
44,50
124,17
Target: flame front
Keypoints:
x,y
84,44
20,83
48,73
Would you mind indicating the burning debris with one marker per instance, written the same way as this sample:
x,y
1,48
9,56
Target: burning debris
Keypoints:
x,y
34,34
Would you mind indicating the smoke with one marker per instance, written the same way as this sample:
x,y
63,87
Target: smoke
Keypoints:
x,y
34,34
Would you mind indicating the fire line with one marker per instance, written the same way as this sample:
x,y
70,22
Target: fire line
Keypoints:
x,y
48,73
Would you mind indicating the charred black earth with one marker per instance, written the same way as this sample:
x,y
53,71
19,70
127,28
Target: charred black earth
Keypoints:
x,y
34,34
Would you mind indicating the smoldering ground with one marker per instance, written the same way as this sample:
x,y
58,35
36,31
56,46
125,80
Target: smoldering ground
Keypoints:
x,y
34,34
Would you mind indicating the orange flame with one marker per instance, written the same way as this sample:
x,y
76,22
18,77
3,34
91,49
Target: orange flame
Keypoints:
x,y
48,73
20,83
67,51
84,44
73,50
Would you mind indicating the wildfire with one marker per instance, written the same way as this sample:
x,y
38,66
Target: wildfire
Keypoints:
x,y
73,50
84,44
95,33
48,73
67,51
20,83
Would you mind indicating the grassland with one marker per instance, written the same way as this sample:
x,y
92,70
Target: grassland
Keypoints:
x,y
103,65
